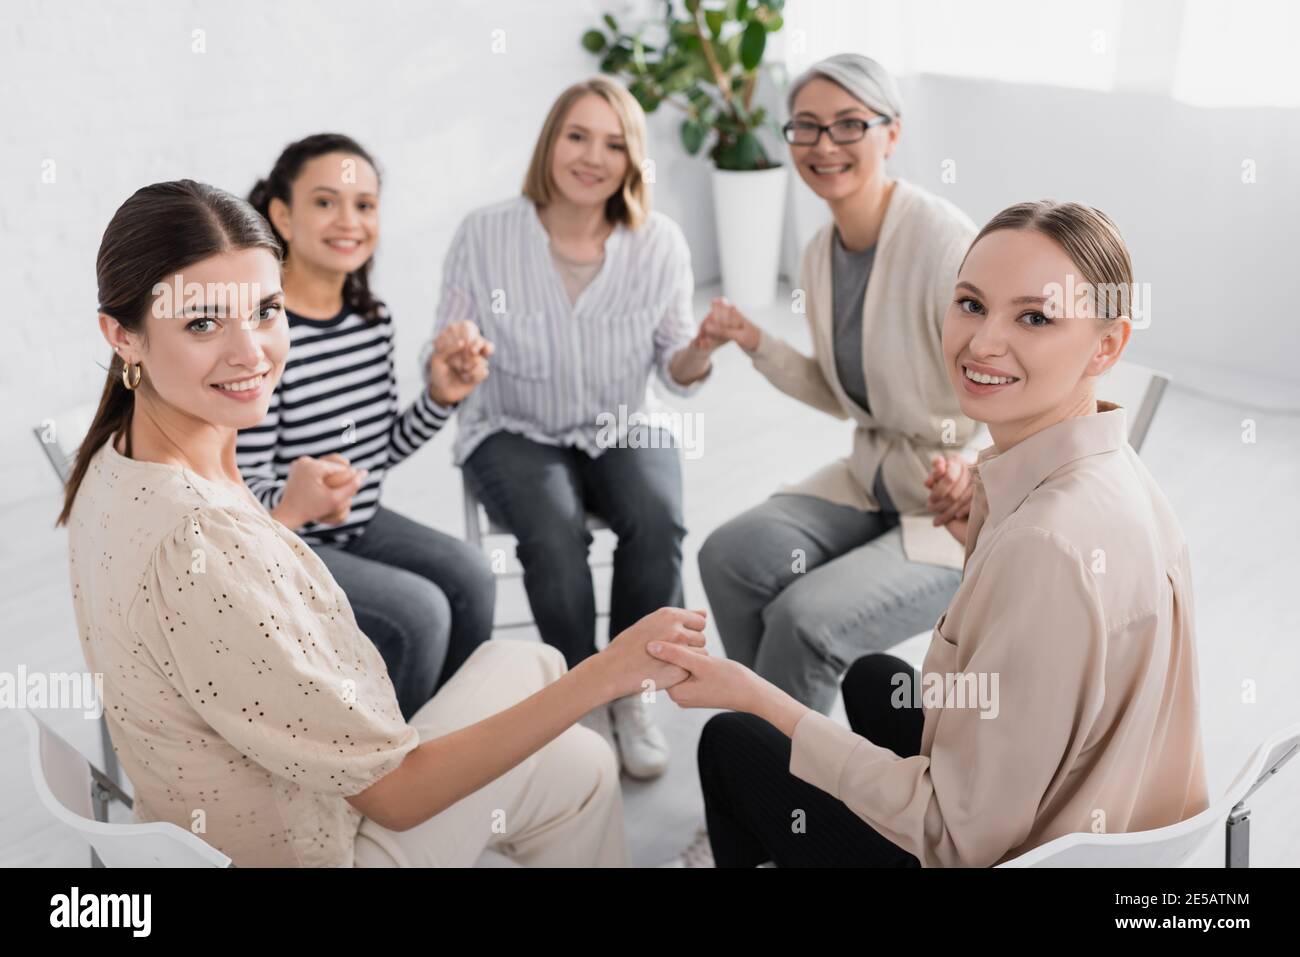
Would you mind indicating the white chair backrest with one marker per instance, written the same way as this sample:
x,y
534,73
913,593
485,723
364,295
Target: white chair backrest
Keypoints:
x,y
63,780
1166,846
1139,390
61,435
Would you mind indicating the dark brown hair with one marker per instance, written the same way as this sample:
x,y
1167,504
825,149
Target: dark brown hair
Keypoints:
x,y
156,233
278,184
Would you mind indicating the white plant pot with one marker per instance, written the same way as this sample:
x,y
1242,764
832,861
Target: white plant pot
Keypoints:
x,y
749,208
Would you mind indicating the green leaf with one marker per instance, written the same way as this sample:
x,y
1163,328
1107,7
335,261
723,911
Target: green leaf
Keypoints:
x,y
593,41
744,153
715,19
609,22
693,134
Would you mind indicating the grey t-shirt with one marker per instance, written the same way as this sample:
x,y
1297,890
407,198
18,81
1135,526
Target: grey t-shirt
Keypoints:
x,y
849,274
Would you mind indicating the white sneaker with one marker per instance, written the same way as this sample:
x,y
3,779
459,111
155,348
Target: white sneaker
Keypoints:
x,y
642,747
698,854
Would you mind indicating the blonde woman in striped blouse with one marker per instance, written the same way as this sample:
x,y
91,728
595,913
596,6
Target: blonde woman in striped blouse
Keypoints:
x,y
584,292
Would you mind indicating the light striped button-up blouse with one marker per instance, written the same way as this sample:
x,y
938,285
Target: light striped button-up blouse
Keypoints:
x,y
558,366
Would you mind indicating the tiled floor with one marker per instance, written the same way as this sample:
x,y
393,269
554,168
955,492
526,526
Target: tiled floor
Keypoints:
x,y
1234,499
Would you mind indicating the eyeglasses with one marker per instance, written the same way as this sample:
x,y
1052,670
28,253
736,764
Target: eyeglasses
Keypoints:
x,y
804,133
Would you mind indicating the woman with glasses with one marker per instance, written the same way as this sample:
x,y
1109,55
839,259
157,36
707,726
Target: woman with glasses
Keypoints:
x,y
851,560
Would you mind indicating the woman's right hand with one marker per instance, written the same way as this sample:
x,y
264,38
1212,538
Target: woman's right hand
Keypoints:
x,y
624,667
726,323
319,490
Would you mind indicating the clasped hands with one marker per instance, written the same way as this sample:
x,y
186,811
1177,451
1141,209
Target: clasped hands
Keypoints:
x,y
459,362
321,489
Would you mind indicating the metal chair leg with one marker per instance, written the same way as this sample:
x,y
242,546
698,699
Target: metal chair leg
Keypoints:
x,y
1237,838
111,767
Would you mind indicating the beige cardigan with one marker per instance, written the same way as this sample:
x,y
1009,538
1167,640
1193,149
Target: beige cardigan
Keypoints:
x,y
914,411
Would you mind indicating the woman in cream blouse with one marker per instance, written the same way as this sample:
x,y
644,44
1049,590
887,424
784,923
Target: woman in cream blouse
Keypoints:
x,y
1060,691
242,699
852,559
584,292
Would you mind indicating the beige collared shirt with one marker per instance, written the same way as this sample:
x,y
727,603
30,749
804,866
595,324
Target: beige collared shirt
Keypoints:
x,y
1061,686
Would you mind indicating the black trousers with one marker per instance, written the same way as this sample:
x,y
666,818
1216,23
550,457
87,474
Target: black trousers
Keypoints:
x,y
758,811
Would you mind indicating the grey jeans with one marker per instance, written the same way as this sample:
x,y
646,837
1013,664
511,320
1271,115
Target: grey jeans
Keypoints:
x,y
800,588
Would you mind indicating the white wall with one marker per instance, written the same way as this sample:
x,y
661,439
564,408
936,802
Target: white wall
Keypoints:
x,y
1218,253
116,97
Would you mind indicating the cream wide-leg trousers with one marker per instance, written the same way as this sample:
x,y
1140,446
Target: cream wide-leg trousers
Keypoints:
x,y
561,807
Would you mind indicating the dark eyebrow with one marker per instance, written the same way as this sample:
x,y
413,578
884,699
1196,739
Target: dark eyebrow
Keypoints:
x,y
1028,300
210,310
848,109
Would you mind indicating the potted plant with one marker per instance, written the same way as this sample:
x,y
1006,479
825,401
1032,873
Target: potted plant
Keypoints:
x,y
706,64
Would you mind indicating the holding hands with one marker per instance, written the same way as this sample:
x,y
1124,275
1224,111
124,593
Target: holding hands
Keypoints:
x,y
624,665
725,323
721,683
459,362
319,490
951,486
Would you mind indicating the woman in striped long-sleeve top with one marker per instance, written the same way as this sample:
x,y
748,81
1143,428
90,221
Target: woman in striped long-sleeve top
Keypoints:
x,y
335,425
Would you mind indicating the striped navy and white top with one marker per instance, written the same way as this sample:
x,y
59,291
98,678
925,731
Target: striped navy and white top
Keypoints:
x,y
338,394
557,365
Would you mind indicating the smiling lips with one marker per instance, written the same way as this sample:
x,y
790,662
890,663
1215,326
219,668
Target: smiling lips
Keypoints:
x,y
983,383
242,389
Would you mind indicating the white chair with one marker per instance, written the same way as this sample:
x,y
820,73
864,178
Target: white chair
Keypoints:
x,y
77,794
1139,390
60,437
1173,845
479,527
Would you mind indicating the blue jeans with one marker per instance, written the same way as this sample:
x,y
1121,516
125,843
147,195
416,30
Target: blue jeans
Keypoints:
x,y
800,588
541,493
424,598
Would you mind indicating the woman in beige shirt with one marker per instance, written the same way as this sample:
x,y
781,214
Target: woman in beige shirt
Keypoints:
x,y
242,699
852,559
1059,693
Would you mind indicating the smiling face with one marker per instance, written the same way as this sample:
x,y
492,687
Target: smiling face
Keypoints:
x,y
1020,358
837,171
215,339
332,220
589,159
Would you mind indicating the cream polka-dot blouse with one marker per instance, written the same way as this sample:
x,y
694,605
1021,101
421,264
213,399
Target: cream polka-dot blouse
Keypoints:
x,y
243,701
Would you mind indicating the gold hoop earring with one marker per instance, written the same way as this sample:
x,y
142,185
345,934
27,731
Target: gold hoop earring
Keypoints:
x,y
132,382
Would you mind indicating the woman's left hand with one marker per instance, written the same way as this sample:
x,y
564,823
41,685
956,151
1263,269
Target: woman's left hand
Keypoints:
x,y
950,488
722,683
458,364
